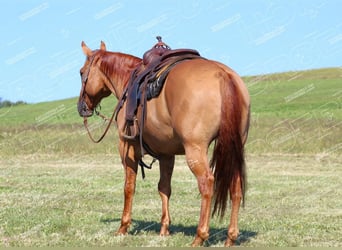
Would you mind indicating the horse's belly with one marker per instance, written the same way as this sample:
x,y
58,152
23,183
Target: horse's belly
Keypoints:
x,y
164,143
158,133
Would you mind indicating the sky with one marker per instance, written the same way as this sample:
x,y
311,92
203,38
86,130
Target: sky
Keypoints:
x,y
40,45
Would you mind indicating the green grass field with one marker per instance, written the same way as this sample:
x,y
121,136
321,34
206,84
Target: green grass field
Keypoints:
x,y
57,188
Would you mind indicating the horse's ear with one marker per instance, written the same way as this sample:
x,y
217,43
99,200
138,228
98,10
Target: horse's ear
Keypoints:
x,y
85,49
103,46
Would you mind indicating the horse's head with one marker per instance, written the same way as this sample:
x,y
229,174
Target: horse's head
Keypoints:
x,y
94,86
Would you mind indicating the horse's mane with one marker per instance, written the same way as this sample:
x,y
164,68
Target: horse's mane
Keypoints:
x,y
113,62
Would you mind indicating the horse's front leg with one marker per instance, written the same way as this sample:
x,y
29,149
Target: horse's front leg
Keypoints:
x,y
130,163
164,188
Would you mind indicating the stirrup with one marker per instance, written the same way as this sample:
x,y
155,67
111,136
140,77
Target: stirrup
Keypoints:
x,y
131,130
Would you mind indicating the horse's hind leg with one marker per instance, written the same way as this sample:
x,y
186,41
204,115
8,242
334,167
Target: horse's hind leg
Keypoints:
x,y
164,188
197,160
235,195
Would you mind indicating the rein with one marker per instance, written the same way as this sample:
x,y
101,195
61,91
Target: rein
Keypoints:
x,y
85,122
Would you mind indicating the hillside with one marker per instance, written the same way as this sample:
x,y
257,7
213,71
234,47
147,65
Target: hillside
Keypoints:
x,y
289,106
281,93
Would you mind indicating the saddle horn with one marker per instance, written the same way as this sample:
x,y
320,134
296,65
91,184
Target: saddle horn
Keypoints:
x,y
160,44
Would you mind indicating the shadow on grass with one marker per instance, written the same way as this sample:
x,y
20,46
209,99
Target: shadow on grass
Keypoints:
x,y
217,235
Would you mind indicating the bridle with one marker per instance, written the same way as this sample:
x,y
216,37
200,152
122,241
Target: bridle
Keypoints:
x,y
84,78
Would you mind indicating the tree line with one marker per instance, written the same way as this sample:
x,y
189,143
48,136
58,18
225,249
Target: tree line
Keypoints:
x,y
6,103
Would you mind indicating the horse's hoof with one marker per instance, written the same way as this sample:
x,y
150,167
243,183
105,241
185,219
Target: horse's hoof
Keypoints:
x,y
197,242
167,233
229,243
120,232
164,230
233,234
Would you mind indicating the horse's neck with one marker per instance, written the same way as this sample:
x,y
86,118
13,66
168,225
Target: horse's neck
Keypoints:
x,y
118,68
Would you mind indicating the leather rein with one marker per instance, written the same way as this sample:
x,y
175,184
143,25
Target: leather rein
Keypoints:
x,y
85,120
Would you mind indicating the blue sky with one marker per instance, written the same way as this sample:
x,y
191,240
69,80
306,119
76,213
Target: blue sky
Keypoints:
x,y
40,53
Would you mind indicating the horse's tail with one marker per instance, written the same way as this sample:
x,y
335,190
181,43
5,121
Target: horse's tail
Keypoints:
x,y
228,157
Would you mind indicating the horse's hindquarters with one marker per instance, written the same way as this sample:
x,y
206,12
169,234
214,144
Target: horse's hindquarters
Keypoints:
x,y
193,97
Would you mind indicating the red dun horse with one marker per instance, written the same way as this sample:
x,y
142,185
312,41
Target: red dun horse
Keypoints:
x,y
202,101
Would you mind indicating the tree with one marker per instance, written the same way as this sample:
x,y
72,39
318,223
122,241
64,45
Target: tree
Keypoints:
x,y
6,103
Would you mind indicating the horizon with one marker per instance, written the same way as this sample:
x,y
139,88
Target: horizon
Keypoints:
x,y
20,102
41,54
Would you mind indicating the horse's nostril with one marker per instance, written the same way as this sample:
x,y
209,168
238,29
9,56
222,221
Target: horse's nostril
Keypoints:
x,y
83,109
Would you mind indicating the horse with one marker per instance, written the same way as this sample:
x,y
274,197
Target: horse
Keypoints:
x,y
202,102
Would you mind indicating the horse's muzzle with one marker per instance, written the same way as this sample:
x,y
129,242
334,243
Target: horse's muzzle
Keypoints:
x,y
83,109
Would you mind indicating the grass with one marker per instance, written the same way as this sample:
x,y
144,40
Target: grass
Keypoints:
x,y
32,128
296,112
49,201
59,189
